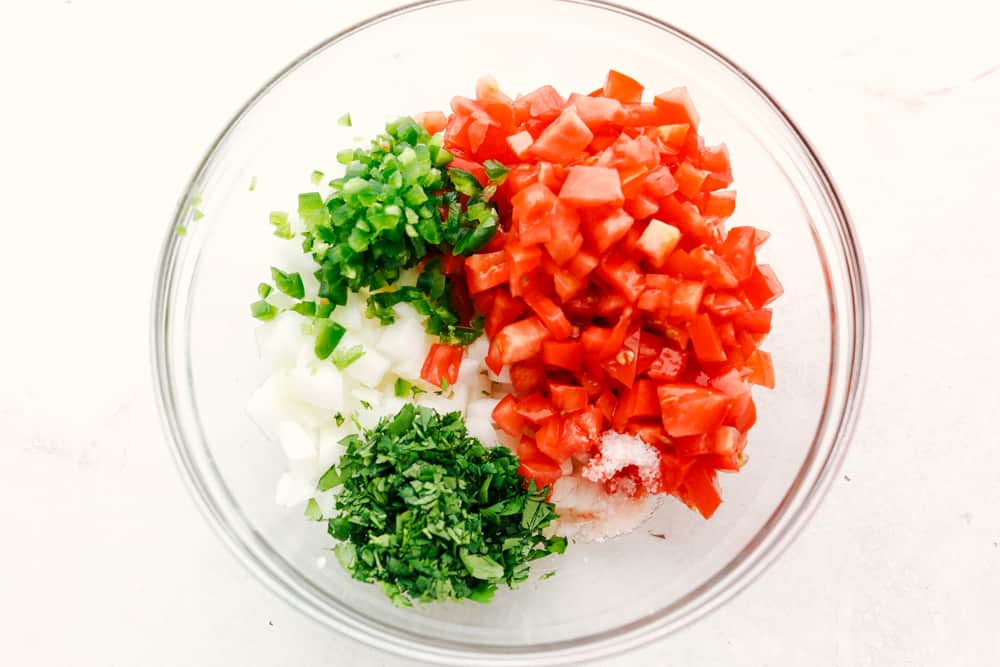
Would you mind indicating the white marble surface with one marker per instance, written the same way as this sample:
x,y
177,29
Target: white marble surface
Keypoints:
x,y
106,107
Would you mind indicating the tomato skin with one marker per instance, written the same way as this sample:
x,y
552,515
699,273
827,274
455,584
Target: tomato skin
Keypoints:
x,y
520,340
742,413
506,417
707,346
592,186
690,409
566,354
673,469
623,88
563,139
550,314
486,270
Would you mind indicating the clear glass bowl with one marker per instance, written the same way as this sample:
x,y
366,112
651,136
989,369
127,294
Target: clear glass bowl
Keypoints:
x,y
606,598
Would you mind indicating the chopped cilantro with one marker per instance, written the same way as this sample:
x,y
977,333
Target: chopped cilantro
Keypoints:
x,y
429,513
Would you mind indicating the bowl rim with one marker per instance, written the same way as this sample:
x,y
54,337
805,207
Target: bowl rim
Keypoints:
x,y
784,525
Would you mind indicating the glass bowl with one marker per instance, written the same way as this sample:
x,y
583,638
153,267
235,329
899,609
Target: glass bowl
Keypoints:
x,y
606,598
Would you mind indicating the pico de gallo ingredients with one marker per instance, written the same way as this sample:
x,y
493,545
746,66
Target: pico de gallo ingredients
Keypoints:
x,y
430,514
586,237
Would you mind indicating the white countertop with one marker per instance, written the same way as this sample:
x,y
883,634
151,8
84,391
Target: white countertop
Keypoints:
x,y
107,107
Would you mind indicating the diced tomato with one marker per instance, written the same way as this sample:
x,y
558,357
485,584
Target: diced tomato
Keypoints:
x,y
505,309
720,204
727,448
713,269
583,263
673,469
700,490
677,107
543,471
690,409
567,398
762,369
762,287
641,207
592,186
714,158
506,417
442,364
669,365
738,250
754,321
623,88
643,115
621,364
689,179
521,260
485,270
563,139
581,430
673,136
730,383
723,305
742,413
655,299
432,121
596,112
686,299
565,239
548,438
610,228
707,346
624,275
565,354
566,284
527,376
520,143
535,408
521,340
658,240
550,314
606,403
545,103
531,207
